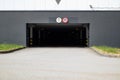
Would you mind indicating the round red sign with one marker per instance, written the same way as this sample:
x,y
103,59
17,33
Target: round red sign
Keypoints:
x,y
65,20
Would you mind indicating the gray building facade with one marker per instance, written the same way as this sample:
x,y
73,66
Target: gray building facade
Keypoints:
x,y
104,26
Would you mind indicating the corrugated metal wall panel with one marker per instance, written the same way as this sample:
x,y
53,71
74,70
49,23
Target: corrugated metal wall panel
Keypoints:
x,y
52,5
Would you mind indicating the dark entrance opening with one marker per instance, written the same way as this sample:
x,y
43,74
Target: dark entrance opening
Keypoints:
x,y
57,35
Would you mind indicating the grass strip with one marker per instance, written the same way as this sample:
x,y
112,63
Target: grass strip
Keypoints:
x,y
108,49
7,47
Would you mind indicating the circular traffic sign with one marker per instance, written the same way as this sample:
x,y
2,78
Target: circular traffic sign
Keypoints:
x,y
65,20
58,20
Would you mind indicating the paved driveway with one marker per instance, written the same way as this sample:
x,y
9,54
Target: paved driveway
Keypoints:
x,y
58,64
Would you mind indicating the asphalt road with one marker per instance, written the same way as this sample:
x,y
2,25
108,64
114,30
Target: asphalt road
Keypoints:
x,y
58,64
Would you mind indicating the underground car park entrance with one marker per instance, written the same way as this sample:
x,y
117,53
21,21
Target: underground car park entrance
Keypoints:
x,y
57,35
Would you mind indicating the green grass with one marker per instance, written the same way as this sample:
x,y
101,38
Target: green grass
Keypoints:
x,y
6,47
108,49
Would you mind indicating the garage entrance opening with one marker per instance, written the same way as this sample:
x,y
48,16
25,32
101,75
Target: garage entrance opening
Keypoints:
x,y
57,35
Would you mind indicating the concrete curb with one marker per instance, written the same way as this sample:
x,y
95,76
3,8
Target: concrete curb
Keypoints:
x,y
105,54
9,51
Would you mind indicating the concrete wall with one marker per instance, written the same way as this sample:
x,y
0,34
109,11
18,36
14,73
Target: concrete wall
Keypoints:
x,y
104,26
